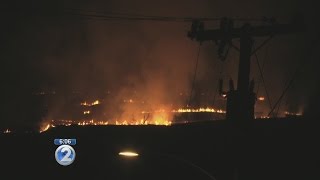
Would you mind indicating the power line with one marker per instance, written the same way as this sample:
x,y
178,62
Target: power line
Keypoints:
x,y
135,15
194,76
280,103
111,15
285,90
262,78
263,65
139,18
107,15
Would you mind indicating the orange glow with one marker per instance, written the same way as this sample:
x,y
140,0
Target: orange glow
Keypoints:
x,y
96,102
86,112
161,117
292,114
200,110
264,117
128,154
161,121
261,98
46,127
128,101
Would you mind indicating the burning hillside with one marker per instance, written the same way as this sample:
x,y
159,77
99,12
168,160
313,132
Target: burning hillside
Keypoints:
x,y
160,117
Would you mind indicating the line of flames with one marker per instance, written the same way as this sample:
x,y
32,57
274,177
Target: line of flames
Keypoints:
x,y
292,114
181,110
96,102
156,121
102,123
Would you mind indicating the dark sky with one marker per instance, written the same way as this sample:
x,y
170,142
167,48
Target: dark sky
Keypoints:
x,y
43,48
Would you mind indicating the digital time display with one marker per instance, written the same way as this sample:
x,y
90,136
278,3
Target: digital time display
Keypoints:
x,y
65,142
65,153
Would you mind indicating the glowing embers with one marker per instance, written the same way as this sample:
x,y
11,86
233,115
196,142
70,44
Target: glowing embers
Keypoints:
x,y
92,123
161,117
86,112
199,110
292,114
96,102
46,127
155,121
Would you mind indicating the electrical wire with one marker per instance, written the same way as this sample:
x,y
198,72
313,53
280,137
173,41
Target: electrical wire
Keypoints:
x,y
130,16
140,16
194,76
217,89
280,103
262,78
285,90
107,15
263,65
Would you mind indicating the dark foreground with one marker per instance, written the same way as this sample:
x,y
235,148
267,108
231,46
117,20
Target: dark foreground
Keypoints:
x,y
271,150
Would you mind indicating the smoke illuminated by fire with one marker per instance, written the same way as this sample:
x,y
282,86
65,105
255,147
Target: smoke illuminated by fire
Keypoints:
x,y
160,117
53,123
45,127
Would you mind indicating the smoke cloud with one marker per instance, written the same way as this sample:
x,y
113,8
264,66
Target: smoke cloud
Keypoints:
x,y
149,62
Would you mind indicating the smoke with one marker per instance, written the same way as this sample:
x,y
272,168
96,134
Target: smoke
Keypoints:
x,y
147,63
151,63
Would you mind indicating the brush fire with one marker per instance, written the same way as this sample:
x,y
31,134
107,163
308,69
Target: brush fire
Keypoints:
x,y
98,113
160,117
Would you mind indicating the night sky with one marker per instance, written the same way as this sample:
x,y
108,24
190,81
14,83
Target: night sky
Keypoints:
x,y
48,46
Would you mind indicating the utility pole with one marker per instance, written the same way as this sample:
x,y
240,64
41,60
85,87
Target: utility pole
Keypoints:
x,y
240,102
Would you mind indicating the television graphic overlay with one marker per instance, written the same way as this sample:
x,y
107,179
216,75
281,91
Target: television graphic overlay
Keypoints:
x,y
65,153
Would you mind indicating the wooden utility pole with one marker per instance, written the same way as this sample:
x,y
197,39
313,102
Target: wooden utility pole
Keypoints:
x,y
240,102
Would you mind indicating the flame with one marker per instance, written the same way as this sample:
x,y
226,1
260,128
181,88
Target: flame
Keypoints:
x,y
7,131
265,117
46,127
261,98
128,101
161,121
292,114
86,112
181,110
96,102
161,117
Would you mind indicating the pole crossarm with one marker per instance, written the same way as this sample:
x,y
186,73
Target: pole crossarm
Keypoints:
x,y
201,35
